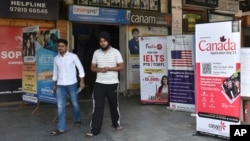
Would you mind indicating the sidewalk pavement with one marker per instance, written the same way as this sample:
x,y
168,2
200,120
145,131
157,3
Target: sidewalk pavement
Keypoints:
x,y
24,122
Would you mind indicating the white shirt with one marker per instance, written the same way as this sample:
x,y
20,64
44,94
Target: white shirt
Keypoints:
x,y
64,71
164,89
107,59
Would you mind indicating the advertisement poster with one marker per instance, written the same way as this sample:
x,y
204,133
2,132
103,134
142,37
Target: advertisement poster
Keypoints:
x,y
39,49
153,70
133,68
11,59
245,71
29,85
46,51
11,53
217,77
181,72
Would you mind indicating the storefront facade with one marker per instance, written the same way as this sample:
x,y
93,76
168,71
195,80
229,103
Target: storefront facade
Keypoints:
x,y
14,16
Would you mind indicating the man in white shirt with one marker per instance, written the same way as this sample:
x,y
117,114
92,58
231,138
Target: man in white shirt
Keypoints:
x,y
65,84
106,62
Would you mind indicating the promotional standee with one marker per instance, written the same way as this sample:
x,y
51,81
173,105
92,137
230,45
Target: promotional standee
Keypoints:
x,y
217,77
167,71
245,83
133,50
39,50
153,70
180,56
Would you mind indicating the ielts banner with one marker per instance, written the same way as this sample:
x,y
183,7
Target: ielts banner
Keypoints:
x,y
153,70
11,53
217,77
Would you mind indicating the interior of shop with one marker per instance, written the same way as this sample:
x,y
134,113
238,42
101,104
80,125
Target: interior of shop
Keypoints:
x,y
85,43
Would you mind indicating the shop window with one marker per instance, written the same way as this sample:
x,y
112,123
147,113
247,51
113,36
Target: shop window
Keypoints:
x,y
217,17
246,36
192,16
189,21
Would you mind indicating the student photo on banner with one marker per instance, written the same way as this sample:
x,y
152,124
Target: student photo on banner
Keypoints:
x,y
231,86
28,44
47,39
133,43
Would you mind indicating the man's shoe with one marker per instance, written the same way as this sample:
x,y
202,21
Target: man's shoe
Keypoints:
x,y
57,132
78,123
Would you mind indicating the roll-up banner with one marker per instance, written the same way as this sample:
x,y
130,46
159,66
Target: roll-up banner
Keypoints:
x,y
217,75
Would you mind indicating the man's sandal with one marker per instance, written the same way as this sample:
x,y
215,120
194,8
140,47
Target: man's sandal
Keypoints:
x,y
119,128
57,132
89,134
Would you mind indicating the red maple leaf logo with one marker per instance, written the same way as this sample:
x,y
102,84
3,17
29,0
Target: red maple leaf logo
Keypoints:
x,y
223,39
222,124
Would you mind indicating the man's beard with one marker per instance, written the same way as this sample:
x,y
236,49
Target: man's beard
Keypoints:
x,y
105,48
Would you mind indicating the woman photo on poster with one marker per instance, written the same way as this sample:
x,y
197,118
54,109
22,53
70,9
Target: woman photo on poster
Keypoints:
x,y
29,49
162,92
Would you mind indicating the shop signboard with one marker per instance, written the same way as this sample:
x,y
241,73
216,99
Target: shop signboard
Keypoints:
x,y
26,9
148,18
207,3
98,14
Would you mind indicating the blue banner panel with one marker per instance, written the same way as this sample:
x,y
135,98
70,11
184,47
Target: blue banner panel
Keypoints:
x,y
96,14
35,9
45,59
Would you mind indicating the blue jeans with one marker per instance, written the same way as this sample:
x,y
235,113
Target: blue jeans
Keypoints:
x,y
61,94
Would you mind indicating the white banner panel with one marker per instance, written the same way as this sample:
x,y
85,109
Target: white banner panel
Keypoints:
x,y
245,72
153,69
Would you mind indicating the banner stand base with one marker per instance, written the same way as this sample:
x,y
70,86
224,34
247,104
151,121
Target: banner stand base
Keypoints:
x,y
21,106
197,133
36,109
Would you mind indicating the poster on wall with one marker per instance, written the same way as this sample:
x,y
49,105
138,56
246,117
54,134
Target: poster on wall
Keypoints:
x,y
11,53
180,56
10,63
133,50
153,70
217,75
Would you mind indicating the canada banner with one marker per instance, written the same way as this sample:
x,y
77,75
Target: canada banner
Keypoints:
x,y
217,77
